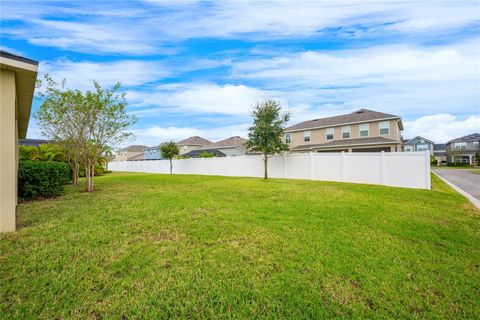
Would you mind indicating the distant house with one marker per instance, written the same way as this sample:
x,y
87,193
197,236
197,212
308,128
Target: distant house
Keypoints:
x,y
125,153
463,150
32,142
418,144
360,131
233,146
192,143
153,153
440,153
138,157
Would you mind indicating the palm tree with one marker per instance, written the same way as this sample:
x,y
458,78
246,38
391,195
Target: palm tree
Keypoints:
x,y
169,151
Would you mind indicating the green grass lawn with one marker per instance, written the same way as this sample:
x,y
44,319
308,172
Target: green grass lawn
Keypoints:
x,y
157,246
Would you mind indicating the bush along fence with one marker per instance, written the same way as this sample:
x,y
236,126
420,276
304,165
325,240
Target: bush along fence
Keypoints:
x,y
400,169
42,179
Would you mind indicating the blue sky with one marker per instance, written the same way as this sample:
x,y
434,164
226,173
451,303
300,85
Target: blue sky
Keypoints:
x,y
197,67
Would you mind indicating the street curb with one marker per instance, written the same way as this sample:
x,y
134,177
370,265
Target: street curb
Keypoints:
x,y
467,195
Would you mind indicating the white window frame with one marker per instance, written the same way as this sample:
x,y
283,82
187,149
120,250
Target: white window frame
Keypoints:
x,y
422,147
361,129
459,145
288,138
307,135
346,129
330,131
384,125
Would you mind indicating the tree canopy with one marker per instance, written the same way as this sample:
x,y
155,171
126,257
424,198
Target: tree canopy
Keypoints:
x,y
265,135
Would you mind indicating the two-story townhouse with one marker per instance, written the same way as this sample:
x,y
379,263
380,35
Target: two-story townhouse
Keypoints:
x,y
418,144
360,131
465,149
233,146
192,143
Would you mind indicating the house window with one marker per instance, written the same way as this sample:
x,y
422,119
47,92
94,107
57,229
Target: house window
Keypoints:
x,y
384,127
306,135
364,130
346,132
422,147
329,133
459,145
287,138
476,143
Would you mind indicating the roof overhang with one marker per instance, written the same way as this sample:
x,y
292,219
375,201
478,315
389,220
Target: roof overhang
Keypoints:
x,y
299,148
25,78
400,124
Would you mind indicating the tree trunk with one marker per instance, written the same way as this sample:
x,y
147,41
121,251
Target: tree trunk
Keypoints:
x,y
92,173
171,165
265,159
87,176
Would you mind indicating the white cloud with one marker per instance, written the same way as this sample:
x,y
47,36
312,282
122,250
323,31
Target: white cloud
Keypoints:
x,y
80,75
101,28
200,98
441,128
406,80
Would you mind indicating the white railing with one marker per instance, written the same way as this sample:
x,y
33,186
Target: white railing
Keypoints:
x,y
400,169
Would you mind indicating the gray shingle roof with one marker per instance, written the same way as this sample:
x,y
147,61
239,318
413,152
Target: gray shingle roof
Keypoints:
x,y
362,115
194,141
231,142
140,156
471,137
439,147
133,148
347,142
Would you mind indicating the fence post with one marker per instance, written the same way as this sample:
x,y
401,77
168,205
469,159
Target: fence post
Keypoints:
x,y
285,165
382,167
342,165
310,155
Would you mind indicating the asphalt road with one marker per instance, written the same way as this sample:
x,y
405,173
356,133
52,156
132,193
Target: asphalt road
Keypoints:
x,y
462,178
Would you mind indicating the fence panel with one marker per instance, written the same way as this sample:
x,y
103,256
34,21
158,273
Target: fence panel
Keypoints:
x,y
400,169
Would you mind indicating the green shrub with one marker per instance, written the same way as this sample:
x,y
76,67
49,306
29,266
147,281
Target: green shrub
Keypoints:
x,y
206,154
42,179
458,164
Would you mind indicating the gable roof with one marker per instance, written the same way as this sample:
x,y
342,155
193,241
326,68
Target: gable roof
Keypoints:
x,y
471,137
359,116
232,142
194,141
417,138
133,148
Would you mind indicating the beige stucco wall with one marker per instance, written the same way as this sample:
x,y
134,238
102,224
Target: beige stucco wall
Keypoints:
x,y
8,151
318,136
125,155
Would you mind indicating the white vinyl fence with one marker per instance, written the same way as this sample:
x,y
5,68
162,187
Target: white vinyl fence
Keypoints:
x,y
400,169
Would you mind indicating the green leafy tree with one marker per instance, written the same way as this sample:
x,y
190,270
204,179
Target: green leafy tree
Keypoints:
x,y
84,123
51,152
61,119
206,154
28,153
265,135
169,150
